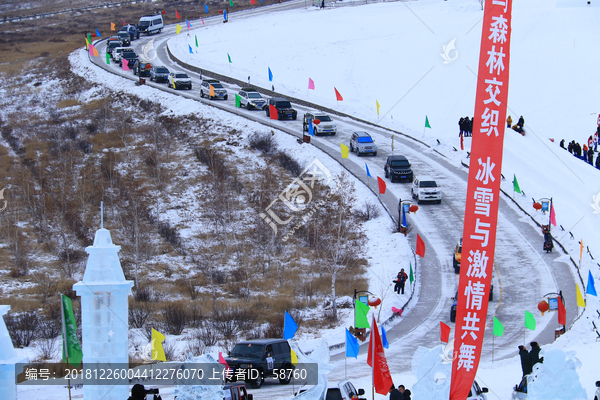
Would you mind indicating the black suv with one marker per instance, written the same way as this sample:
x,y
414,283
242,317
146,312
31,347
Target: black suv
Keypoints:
x,y
398,167
129,57
141,68
159,73
283,106
264,355
124,38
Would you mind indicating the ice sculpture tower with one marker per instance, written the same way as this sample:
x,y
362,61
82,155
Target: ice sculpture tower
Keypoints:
x,y
8,359
104,314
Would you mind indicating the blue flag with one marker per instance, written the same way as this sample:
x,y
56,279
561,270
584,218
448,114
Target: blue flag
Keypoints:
x,y
351,345
190,49
270,75
384,338
225,15
289,326
591,289
98,33
368,173
206,8
403,217
311,129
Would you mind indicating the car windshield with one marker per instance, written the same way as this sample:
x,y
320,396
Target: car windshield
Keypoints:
x,y
285,104
181,76
250,350
399,163
144,24
365,139
323,118
334,394
162,70
254,95
428,184
123,34
217,85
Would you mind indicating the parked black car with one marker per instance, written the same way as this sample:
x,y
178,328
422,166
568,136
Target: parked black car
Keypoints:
x,y
283,106
142,68
129,57
159,73
264,355
398,167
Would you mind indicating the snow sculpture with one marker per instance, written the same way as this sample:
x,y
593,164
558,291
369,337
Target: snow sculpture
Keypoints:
x,y
433,369
206,389
556,378
104,314
319,356
8,359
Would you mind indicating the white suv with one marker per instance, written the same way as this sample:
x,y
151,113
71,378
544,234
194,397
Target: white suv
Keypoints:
x,y
426,189
325,125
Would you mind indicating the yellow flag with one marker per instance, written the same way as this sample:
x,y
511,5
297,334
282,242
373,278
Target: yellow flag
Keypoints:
x,y
211,93
580,301
294,357
178,30
112,26
345,150
377,107
157,350
581,249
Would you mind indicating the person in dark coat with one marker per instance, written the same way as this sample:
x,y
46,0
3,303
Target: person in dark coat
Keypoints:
x,y
598,162
467,127
138,392
590,156
535,353
526,365
570,147
521,122
562,143
402,277
395,393
461,124
405,392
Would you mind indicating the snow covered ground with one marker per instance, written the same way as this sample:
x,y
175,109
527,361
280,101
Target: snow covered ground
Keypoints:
x,y
390,53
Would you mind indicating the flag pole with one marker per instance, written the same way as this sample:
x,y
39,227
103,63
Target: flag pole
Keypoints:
x,y
493,347
65,347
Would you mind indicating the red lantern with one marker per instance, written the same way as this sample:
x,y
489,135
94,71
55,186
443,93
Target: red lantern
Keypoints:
x,y
413,208
316,121
543,306
537,206
374,302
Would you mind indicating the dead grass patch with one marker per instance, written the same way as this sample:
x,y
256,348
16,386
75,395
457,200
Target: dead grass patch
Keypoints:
x,y
68,103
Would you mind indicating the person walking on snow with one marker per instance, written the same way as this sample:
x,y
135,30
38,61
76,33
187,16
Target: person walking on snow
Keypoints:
x,y
526,365
509,122
585,152
534,354
461,124
402,277
591,156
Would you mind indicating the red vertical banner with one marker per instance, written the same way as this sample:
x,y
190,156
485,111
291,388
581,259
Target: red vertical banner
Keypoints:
x,y
481,211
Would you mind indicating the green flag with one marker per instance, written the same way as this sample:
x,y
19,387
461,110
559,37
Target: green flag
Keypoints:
x,y
411,276
529,321
108,58
427,122
498,328
196,40
238,100
71,347
229,57
361,311
230,3
516,187
90,38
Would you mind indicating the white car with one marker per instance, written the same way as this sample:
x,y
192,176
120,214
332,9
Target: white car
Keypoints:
x,y
426,189
250,99
178,80
325,125
117,51
341,390
477,393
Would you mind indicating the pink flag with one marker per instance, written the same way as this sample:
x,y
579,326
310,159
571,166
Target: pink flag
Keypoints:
x,y
202,21
123,22
311,84
91,49
125,65
552,216
223,362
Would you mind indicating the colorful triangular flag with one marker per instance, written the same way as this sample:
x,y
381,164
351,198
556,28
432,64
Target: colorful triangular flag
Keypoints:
x,y
311,84
382,186
345,150
591,287
289,327
580,300
420,250
196,40
270,75
231,3
229,58
377,103
498,327
178,29
191,51
71,347
361,310
368,173
188,24
238,100
206,8
108,58
98,33
338,96
177,14
112,26
529,321
444,332
516,187
552,215
427,123
158,353
311,128
351,345
411,276
294,357
384,340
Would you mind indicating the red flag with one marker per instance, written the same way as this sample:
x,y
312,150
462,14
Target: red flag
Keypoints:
x,y
420,246
177,14
252,1
222,361
273,111
444,332
562,313
381,185
338,96
462,146
552,217
382,380
123,22
479,231
163,12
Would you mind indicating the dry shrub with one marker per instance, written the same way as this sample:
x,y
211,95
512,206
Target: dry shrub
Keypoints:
x,y
176,317
139,313
22,328
68,103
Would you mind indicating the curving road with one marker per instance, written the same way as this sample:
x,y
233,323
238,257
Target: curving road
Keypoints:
x,y
523,272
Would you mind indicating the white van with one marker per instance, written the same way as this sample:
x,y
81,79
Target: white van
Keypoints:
x,y
150,24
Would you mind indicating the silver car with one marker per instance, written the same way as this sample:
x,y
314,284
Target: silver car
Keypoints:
x,y
251,99
362,143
